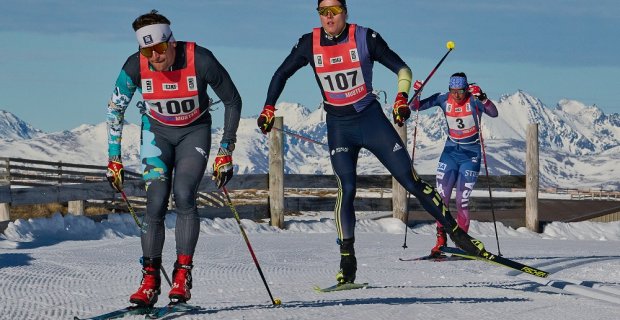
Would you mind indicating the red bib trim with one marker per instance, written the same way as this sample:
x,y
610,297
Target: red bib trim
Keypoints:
x,y
460,118
171,97
339,69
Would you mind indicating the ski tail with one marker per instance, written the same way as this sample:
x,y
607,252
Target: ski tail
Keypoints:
x,y
171,308
436,258
341,287
499,260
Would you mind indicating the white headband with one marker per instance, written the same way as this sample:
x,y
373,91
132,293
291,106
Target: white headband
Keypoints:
x,y
154,34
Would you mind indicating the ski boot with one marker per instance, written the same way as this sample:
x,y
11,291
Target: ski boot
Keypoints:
x,y
441,241
181,279
149,290
348,263
466,242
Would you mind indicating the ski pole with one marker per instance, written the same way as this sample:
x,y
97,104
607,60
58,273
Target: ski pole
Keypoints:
x,y
300,136
486,168
415,135
450,46
142,228
275,302
415,131
133,213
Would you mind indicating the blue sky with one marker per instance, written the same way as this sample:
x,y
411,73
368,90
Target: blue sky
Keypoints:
x,y
60,59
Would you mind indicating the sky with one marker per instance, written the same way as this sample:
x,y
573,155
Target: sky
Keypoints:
x,y
61,58
60,267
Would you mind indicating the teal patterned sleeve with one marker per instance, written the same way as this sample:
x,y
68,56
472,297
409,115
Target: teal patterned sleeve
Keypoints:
x,y
123,92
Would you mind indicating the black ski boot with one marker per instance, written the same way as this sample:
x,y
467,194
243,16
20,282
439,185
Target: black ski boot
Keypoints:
x,y
466,242
348,263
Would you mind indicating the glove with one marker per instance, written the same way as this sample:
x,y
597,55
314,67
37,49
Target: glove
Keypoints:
x,y
265,119
115,173
417,85
477,92
401,111
415,103
223,166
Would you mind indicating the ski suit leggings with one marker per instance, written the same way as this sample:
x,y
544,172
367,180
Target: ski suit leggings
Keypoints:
x,y
162,149
458,166
370,129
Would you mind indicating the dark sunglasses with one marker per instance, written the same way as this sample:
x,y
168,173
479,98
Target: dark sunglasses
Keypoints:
x,y
457,91
334,10
159,48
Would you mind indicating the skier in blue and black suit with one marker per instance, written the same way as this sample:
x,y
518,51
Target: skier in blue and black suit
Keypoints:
x,y
342,56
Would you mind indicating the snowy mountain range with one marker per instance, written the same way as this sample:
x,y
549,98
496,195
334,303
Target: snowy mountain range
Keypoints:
x,y
579,144
13,128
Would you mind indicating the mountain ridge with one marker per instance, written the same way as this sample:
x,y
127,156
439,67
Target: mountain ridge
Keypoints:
x,y
578,144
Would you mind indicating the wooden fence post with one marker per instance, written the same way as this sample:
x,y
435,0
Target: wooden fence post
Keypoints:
x,y
5,212
5,189
59,172
531,174
276,173
399,194
76,207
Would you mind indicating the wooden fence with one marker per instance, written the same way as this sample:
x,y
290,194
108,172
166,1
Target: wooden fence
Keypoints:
x,y
36,182
25,181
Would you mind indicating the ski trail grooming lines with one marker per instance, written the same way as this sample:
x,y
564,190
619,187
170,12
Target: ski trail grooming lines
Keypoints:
x,y
120,313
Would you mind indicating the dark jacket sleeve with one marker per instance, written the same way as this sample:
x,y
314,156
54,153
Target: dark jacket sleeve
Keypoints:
x,y
297,59
381,52
490,109
220,81
432,101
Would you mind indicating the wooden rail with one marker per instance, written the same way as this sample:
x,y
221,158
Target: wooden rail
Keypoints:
x,y
28,172
24,181
213,205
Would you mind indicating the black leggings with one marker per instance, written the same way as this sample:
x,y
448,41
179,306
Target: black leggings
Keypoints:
x,y
164,149
370,129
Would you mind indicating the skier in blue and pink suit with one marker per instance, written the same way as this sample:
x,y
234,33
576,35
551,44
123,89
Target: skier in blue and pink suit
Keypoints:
x,y
459,163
